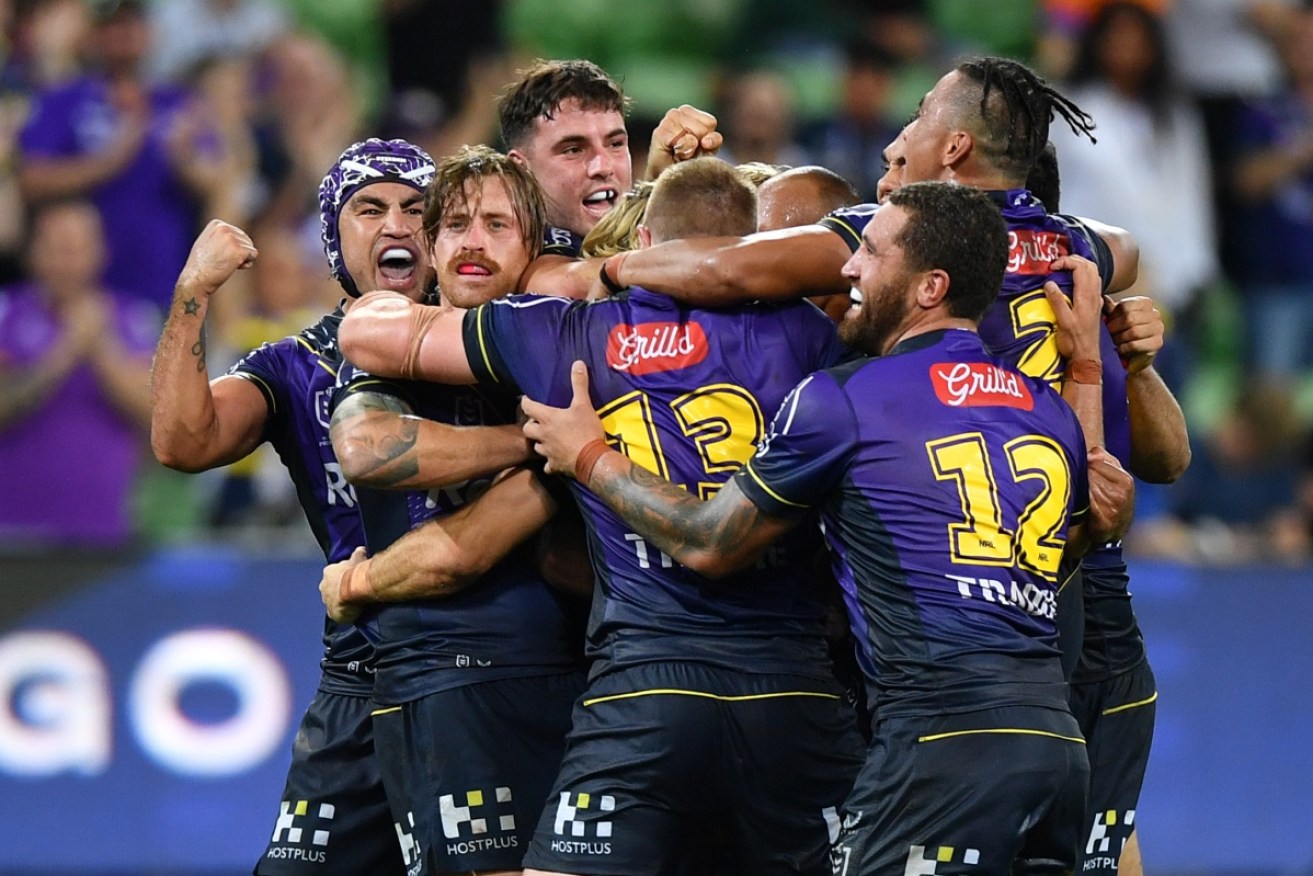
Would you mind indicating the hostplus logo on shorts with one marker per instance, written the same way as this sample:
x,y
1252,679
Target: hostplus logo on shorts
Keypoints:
x,y
410,850
1108,835
924,861
301,832
585,822
478,823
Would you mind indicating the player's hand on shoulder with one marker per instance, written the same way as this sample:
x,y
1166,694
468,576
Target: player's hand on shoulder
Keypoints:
x,y
684,132
219,252
1077,321
1137,329
559,434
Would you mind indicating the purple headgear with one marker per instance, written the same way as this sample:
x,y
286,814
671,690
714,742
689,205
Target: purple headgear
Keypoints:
x,y
362,164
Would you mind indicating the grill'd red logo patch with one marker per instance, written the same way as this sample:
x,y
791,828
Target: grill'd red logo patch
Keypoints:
x,y
655,346
1030,252
976,384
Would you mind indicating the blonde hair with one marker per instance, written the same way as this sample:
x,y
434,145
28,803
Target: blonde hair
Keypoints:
x,y
617,231
757,172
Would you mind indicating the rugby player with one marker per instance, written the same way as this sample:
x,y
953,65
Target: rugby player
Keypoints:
x,y
950,486
474,686
712,714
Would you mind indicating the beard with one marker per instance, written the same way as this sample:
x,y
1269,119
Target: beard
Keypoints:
x,y
883,313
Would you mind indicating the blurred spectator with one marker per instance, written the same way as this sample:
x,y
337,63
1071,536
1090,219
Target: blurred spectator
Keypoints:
x,y
759,121
48,36
1149,171
74,394
1238,502
217,131
429,61
1273,181
187,32
1063,22
312,112
852,143
105,136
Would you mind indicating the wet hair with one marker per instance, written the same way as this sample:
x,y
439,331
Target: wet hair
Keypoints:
x,y
541,89
1044,181
617,230
1014,108
703,197
959,230
472,166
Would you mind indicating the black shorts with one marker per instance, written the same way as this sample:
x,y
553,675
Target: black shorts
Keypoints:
x,y
334,817
990,792
468,770
1116,715
667,761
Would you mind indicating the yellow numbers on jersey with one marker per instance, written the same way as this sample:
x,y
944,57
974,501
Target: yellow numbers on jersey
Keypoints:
x,y
1032,317
723,421
982,539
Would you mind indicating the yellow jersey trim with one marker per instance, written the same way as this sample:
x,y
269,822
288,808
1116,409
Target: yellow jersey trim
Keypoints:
x,y
318,359
774,495
1015,731
1135,705
661,691
483,346
390,709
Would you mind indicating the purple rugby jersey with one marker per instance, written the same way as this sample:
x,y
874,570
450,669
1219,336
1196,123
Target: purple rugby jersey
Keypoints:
x,y
947,481
297,376
1019,328
511,624
685,393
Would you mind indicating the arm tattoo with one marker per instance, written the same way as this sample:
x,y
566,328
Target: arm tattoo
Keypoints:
x,y
198,350
383,431
673,519
191,306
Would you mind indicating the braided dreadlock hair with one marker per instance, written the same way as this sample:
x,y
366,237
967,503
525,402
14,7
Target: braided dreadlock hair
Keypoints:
x,y
1016,107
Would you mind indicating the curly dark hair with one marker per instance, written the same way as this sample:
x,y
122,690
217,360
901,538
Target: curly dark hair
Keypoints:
x,y
959,230
541,89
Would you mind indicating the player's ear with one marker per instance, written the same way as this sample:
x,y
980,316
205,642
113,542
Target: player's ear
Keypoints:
x,y
644,237
960,144
932,289
518,157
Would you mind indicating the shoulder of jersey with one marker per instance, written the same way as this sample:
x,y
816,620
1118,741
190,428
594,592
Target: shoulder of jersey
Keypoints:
x,y
562,242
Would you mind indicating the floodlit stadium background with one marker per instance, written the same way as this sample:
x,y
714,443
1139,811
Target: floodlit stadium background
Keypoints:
x,y
149,692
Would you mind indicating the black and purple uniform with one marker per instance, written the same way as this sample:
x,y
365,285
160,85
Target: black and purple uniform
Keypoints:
x,y
334,816
712,715
1113,693
946,482
474,690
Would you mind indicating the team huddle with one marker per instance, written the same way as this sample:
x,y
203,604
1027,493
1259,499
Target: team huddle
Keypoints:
x,y
655,568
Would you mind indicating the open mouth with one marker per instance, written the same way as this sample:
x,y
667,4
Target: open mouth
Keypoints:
x,y
397,264
855,296
601,200
473,269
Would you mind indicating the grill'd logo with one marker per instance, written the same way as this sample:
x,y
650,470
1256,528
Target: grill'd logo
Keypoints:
x,y
1030,252
976,384
655,346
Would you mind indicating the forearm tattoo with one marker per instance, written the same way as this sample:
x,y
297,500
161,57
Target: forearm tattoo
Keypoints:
x,y
673,519
376,428
198,349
